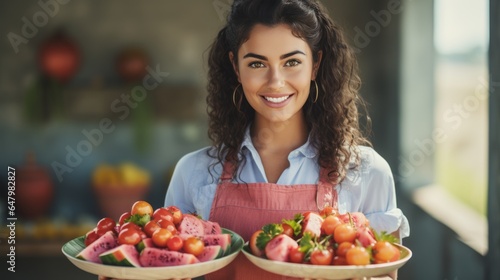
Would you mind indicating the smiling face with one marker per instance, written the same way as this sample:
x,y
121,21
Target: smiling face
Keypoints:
x,y
275,69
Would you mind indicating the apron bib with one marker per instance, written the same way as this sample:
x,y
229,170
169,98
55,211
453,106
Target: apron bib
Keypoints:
x,y
246,207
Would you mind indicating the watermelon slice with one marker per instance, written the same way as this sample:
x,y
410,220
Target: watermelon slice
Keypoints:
x,y
144,243
223,240
154,257
191,225
123,255
279,247
312,224
210,252
211,227
102,244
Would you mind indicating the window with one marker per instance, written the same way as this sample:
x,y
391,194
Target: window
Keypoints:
x,y
461,99
444,114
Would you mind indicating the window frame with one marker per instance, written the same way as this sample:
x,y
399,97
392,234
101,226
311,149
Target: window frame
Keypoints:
x,y
493,208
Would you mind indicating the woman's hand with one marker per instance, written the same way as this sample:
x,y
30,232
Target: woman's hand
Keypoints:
x,y
106,278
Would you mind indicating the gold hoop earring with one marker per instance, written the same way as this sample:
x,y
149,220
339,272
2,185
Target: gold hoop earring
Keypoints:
x,y
316,84
234,98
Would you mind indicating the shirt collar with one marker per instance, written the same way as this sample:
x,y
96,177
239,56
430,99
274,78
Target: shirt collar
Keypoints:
x,y
306,150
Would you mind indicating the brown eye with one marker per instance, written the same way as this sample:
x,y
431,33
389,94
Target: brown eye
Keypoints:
x,y
292,62
256,64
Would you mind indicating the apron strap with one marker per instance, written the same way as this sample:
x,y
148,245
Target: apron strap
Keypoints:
x,y
326,194
227,172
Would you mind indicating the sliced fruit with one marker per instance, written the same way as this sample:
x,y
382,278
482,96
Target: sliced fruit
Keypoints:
x,y
145,243
102,244
279,247
191,225
312,224
211,252
123,255
223,240
154,257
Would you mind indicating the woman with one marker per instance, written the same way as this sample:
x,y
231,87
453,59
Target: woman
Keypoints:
x,y
283,118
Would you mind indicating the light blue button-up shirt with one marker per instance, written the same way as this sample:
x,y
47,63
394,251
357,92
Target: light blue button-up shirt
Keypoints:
x,y
369,188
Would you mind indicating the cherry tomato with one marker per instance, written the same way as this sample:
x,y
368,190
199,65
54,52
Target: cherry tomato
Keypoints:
x,y
175,243
130,225
104,225
142,207
321,257
193,245
161,236
327,211
384,251
397,255
163,213
129,236
295,255
253,244
90,237
167,224
124,217
330,223
344,232
176,213
287,229
357,256
150,227
343,248
338,260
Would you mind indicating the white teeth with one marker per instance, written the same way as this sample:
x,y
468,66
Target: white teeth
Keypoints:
x,y
276,99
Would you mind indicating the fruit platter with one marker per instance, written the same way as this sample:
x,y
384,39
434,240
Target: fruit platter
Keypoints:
x,y
326,245
160,244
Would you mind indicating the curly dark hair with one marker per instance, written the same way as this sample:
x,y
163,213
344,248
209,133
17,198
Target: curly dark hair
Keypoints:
x,y
333,120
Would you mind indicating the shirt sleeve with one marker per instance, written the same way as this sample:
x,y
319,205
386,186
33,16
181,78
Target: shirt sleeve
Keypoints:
x,y
192,186
178,192
380,205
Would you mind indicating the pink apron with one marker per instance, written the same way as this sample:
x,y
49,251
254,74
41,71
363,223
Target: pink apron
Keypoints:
x,y
246,207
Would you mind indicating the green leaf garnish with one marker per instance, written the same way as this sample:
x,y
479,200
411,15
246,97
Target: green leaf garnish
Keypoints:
x,y
295,223
307,243
139,220
384,236
269,231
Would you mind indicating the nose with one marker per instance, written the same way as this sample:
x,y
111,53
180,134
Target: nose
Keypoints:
x,y
276,79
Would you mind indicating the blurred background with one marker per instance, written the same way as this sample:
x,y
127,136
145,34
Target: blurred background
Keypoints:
x,y
100,99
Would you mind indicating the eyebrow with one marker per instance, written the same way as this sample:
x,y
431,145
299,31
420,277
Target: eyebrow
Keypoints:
x,y
261,57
